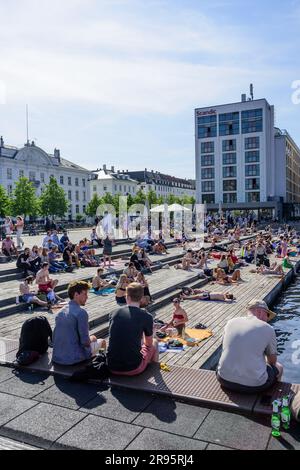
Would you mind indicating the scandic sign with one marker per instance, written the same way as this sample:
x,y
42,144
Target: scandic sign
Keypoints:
x,y
206,113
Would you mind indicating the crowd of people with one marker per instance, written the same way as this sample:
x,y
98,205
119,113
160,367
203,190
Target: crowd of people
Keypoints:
x,y
248,362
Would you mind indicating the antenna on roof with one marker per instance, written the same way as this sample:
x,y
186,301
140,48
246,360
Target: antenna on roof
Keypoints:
x,y
27,127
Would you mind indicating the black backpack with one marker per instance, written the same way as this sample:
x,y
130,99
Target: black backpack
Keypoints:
x,y
34,335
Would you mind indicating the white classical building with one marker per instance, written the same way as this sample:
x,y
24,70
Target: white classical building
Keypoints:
x,y
108,181
38,166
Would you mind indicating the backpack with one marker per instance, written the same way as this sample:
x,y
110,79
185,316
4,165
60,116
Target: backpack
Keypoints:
x,y
34,335
27,357
96,370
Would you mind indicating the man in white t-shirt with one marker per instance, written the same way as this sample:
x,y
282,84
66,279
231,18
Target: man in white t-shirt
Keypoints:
x,y
248,363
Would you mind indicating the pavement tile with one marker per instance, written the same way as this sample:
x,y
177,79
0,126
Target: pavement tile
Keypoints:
x,y
216,447
125,405
27,384
150,439
96,433
42,425
6,373
11,407
68,394
288,440
233,430
171,416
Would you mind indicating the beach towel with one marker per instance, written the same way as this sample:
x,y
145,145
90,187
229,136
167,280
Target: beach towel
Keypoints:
x,y
198,335
107,290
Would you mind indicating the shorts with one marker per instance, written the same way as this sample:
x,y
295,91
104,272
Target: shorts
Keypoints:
x,y
148,355
45,287
27,298
272,371
205,296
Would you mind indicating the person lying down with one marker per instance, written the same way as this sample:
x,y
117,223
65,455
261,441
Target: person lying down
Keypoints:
x,y
205,295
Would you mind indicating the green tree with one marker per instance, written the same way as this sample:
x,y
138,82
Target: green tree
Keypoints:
x,y
92,206
24,200
140,197
5,202
53,200
152,197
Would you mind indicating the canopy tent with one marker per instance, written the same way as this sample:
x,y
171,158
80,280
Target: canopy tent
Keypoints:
x,y
172,208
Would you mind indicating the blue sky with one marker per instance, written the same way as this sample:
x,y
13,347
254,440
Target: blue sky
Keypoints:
x,y
116,81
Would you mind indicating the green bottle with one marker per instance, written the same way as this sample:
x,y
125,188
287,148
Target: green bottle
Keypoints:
x,y
275,420
285,413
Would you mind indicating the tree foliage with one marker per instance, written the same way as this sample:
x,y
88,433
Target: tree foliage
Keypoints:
x,y
24,201
53,200
5,202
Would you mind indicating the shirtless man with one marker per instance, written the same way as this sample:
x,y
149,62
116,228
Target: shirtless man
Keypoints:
x,y
98,283
29,295
205,295
43,279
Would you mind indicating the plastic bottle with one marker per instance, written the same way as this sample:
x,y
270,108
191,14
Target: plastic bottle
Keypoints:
x,y
275,420
285,413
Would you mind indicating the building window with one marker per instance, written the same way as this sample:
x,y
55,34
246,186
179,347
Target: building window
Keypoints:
x,y
83,182
83,209
253,197
32,176
252,143
76,181
229,185
207,160
207,127
229,158
252,121
252,183
207,147
208,198
207,173
70,195
61,180
77,209
69,181
208,186
84,196
21,173
9,173
229,123
252,170
229,145
252,157
43,177
120,189
116,188
77,195
104,188
9,189
229,198
229,172
94,189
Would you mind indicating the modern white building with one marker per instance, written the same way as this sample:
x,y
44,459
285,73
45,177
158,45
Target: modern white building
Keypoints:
x,y
37,165
241,158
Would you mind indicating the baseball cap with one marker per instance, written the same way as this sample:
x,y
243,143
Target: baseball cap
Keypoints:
x,y
257,303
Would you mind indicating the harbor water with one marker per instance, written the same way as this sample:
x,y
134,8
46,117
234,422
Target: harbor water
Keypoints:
x,y
287,327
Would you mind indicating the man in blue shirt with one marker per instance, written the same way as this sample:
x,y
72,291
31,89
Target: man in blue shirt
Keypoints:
x,y
71,340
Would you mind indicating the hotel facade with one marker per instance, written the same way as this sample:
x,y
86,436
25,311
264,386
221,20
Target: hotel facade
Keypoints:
x,y
242,160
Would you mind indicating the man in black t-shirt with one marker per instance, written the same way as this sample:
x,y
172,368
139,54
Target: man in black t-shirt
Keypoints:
x,y
131,344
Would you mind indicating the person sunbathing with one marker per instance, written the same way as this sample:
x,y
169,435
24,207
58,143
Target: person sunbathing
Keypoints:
x,y
205,295
222,278
179,318
98,283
